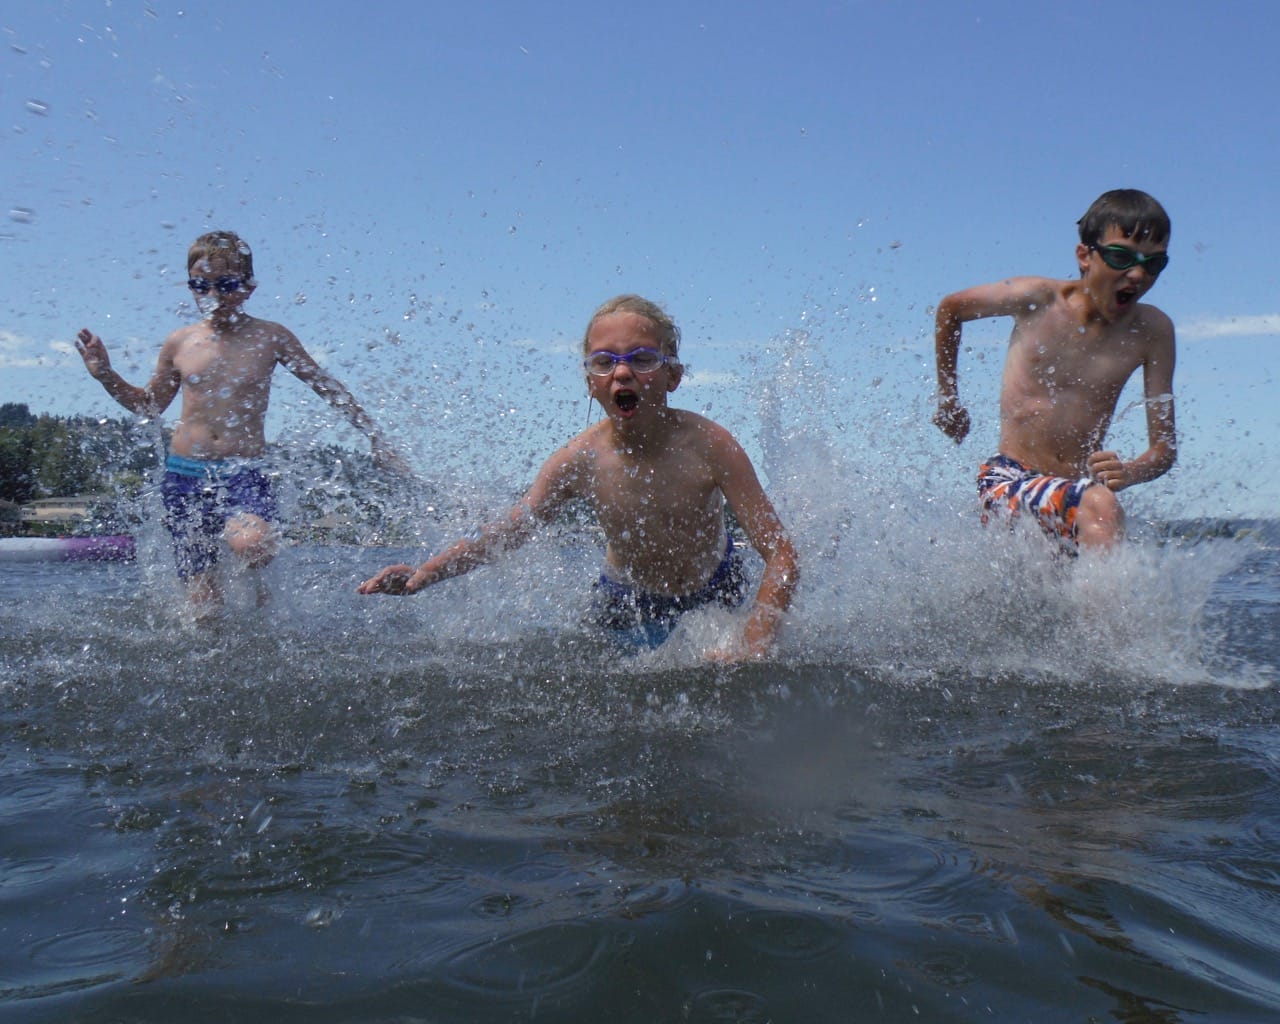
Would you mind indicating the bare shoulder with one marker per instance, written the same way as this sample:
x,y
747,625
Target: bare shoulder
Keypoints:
x,y
585,444
568,461
563,475
698,429
272,331
181,338
1012,296
1154,324
185,333
704,439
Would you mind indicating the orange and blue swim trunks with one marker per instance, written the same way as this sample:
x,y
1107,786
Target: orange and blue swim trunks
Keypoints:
x,y
1005,486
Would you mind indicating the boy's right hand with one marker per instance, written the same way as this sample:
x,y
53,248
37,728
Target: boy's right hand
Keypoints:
x,y
394,579
952,419
93,352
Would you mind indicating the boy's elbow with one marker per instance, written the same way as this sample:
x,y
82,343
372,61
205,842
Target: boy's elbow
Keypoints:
x,y
786,569
947,316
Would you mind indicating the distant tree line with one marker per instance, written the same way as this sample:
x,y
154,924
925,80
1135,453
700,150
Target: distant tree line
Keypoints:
x,y
332,493
55,456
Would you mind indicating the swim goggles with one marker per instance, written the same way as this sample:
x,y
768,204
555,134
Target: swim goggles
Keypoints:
x,y
641,360
224,285
1121,257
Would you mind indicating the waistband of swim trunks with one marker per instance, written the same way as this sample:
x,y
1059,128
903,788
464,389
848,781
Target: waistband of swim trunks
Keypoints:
x,y
212,468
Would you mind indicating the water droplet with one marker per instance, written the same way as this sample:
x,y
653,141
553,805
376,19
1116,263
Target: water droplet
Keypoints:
x,y
320,917
38,107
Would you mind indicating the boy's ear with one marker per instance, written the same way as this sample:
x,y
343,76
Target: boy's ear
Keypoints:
x,y
1082,257
675,373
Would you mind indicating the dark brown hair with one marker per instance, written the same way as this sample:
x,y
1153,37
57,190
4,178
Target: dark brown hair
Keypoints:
x,y
1131,210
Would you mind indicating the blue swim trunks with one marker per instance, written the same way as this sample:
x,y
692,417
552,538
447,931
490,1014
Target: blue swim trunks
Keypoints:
x,y
1005,485
200,496
643,619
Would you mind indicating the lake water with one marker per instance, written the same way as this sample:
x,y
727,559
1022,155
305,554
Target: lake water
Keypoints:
x,y
975,783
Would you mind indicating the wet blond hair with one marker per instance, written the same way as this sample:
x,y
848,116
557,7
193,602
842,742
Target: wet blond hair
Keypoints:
x,y
667,331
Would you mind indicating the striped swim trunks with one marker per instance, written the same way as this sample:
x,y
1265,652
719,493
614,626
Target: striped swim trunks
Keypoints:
x,y
1005,485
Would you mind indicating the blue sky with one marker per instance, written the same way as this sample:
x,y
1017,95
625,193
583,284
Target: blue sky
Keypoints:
x,y
439,194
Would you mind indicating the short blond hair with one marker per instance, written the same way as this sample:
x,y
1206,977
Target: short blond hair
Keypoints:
x,y
225,243
668,332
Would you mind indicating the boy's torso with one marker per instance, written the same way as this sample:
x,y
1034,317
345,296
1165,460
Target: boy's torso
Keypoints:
x,y
225,377
1063,376
661,509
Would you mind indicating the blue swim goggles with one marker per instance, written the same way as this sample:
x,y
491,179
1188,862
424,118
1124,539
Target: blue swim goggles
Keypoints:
x,y
641,360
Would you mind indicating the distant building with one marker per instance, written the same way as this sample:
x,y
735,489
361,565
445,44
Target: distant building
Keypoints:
x,y
60,511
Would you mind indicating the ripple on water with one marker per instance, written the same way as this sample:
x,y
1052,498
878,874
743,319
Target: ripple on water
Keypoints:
x,y
16,875
111,949
20,797
529,964
790,935
728,1004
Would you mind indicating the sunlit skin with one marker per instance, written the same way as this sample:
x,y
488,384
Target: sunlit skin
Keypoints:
x,y
658,479
222,366
1074,345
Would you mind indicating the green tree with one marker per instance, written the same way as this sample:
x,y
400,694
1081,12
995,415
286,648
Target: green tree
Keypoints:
x,y
16,414
17,479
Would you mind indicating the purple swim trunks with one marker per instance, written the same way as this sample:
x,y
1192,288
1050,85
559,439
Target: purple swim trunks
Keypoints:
x,y
200,496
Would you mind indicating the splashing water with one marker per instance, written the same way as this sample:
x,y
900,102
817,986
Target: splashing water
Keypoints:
x,y
463,799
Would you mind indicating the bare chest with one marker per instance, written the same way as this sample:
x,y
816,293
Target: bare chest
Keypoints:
x,y
211,365
1067,359
664,494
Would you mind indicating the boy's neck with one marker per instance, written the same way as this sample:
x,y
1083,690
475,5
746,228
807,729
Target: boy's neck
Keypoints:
x,y
1087,308
228,322
641,436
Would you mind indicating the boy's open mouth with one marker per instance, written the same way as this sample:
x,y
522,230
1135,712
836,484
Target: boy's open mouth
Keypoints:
x,y
626,401
1125,296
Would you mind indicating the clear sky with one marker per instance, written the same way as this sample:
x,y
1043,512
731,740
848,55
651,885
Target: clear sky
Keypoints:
x,y
439,194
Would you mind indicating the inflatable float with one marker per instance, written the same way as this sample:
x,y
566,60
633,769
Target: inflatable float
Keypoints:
x,y
118,548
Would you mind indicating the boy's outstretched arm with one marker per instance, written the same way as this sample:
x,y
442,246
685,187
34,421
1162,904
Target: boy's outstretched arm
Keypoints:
x,y
741,488
551,489
298,361
149,401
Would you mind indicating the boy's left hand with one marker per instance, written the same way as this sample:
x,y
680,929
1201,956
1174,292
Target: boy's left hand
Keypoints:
x,y
1108,470
394,579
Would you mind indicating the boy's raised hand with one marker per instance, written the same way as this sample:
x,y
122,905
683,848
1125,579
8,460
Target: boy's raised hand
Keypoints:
x,y
93,352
